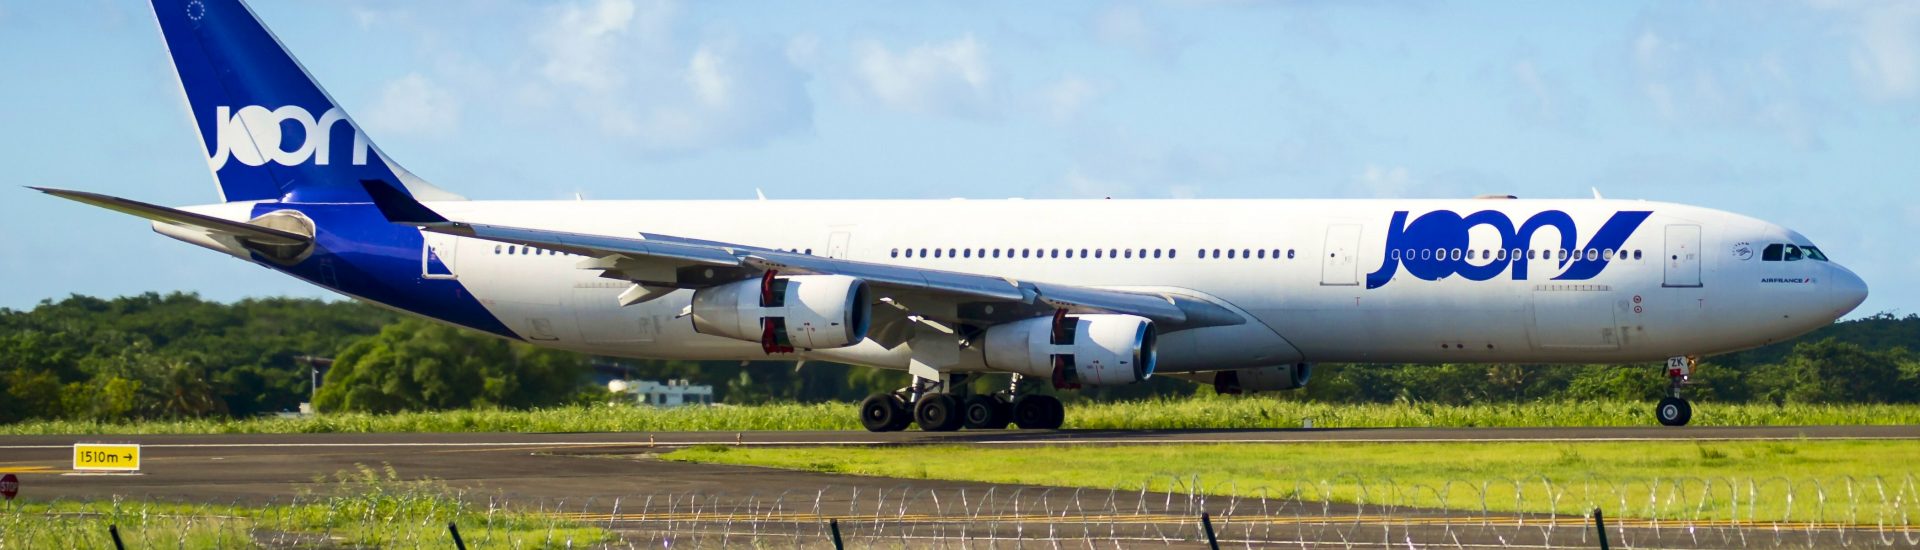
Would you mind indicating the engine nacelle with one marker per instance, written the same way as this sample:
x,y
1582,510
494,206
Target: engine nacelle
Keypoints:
x,y
1275,378
783,313
1075,349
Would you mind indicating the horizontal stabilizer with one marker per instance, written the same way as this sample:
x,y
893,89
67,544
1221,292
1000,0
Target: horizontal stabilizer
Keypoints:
x,y
241,230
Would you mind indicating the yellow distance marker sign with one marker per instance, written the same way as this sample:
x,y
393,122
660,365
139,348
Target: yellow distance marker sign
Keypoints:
x,y
116,457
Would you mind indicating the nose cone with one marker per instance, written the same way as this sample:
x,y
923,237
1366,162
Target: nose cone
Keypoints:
x,y
1847,291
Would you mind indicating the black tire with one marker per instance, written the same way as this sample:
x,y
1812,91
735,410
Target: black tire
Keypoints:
x,y
1038,412
1674,411
983,412
938,412
883,413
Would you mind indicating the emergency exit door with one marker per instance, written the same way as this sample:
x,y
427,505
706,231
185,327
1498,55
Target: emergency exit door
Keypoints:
x,y
1683,256
1339,267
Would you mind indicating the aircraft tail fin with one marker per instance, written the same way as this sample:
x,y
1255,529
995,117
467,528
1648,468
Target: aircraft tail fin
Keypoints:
x,y
270,131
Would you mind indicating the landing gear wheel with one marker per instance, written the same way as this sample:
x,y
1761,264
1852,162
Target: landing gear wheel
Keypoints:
x,y
938,412
983,412
1674,411
1038,412
883,413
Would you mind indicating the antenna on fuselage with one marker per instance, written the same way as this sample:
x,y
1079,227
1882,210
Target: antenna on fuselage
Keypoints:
x,y
1596,194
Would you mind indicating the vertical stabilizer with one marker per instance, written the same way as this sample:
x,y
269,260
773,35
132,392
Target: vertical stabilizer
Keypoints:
x,y
270,131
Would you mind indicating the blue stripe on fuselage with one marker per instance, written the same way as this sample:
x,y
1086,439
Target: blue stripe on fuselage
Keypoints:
x,y
361,254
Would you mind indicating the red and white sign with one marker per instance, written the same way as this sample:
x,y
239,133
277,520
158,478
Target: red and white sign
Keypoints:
x,y
9,486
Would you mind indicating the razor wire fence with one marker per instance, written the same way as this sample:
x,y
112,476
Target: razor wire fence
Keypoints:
x,y
1348,511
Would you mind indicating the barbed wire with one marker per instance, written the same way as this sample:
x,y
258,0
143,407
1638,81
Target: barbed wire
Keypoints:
x,y
1340,511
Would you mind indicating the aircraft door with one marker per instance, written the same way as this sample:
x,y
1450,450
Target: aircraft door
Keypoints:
x,y
1339,267
1683,256
837,244
438,252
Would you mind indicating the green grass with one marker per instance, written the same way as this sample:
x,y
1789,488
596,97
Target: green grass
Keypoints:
x,y
1630,479
373,509
1199,412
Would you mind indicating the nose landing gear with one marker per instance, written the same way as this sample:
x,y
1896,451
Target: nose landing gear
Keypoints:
x,y
1674,410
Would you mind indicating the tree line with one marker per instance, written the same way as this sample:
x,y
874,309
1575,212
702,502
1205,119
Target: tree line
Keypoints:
x,y
177,355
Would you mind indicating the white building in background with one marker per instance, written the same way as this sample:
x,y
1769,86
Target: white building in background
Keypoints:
x,y
673,393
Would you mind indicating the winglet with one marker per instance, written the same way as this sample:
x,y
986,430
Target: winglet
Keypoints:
x,y
397,206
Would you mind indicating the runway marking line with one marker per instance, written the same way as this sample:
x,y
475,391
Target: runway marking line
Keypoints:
x,y
26,469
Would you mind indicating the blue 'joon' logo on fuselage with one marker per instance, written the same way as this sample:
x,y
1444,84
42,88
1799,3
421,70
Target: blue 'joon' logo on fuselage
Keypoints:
x,y
1429,246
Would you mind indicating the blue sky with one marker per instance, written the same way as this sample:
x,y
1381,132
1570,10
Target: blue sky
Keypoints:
x,y
1802,113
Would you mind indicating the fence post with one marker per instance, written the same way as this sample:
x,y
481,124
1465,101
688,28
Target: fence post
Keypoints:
x,y
115,531
833,524
1600,526
455,530
1206,521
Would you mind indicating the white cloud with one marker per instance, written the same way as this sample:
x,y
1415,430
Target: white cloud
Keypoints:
x,y
582,43
1384,181
415,105
368,18
943,78
1886,60
1126,26
1543,97
617,65
1718,76
1081,185
1065,97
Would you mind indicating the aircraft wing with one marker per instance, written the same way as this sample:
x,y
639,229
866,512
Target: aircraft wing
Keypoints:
x,y
240,230
658,264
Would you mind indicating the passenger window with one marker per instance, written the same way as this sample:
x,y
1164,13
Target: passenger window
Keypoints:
x,y
1024,253
1096,253
1289,253
1244,253
1263,254
1395,253
511,250
1216,253
496,249
1456,254
1636,254
1156,253
1470,253
936,253
1772,253
896,252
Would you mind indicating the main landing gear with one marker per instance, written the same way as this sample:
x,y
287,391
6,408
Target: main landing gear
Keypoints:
x,y
948,405
1674,410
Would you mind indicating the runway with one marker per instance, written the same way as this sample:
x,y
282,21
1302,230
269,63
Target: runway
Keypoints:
x,y
589,473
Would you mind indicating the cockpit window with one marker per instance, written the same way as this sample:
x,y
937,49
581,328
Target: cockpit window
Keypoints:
x,y
1779,252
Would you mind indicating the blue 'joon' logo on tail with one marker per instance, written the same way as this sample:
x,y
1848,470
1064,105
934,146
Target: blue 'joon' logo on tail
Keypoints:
x,y
1430,245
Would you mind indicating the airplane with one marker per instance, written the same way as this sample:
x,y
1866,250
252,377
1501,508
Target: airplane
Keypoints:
x,y
1245,295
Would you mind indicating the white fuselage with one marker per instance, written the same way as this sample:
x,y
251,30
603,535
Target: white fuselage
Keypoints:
x,y
1685,281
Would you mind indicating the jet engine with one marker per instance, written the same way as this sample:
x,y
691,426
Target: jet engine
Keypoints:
x,y
784,313
1259,379
1075,349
